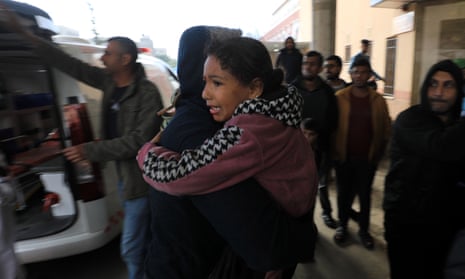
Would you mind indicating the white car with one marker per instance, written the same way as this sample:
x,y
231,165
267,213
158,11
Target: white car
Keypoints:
x,y
62,209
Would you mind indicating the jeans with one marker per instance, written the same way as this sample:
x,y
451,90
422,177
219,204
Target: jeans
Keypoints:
x,y
135,235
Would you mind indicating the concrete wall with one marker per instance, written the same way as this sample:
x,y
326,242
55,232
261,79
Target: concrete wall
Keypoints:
x,y
356,20
432,36
439,36
404,73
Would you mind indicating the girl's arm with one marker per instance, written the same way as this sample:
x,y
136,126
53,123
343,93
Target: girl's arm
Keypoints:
x,y
231,156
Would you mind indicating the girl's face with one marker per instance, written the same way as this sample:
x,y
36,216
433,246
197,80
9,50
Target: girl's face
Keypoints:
x,y
223,92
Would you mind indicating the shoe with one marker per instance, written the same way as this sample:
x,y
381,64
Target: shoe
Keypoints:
x,y
367,240
340,236
329,221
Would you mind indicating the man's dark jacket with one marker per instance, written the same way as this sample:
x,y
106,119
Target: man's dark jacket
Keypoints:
x,y
427,165
291,61
321,105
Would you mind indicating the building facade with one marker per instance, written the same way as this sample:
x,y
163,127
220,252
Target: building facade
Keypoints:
x,y
407,37
289,18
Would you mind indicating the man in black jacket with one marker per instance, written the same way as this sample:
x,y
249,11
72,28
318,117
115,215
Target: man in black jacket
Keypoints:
x,y
319,104
289,60
424,196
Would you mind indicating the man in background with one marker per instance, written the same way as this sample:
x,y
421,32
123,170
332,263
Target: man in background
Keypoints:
x,y
320,105
333,67
361,137
424,189
289,60
364,54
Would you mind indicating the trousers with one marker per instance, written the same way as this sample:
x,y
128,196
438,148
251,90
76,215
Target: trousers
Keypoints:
x,y
354,178
135,235
189,234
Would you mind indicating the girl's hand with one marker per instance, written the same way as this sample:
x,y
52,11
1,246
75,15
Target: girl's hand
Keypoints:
x,y
156,138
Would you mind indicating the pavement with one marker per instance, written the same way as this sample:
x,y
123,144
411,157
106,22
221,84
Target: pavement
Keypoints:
x,y
353,260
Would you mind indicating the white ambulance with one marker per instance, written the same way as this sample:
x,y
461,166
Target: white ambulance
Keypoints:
x,y
62,209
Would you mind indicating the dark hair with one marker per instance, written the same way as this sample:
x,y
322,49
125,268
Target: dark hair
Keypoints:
x,y
361,61
365,42
289,38
127,46
336,59
246,59
313,53
444,66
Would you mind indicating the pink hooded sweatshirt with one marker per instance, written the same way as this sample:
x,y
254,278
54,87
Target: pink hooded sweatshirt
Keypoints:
x,y
261,140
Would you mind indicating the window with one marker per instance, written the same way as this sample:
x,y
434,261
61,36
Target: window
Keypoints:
x,y
347,54
391,46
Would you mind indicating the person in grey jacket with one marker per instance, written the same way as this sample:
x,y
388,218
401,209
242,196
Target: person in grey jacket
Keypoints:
x,y
129,119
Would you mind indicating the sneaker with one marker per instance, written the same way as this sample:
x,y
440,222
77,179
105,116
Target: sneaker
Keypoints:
x,y
340,236
367,240
329,221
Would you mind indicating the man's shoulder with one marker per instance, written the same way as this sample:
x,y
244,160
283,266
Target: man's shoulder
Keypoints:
x,y
413,110
324,86
343,82
414,116
337,84
298,83
297,52
148,86
343,92
355,56
148,94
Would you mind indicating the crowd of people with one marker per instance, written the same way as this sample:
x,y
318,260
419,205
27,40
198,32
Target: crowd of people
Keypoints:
x,y
228,189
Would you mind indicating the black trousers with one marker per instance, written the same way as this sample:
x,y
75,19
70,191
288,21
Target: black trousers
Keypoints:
x,y
324,168
416,250
455,264
183,244
354,178
189,234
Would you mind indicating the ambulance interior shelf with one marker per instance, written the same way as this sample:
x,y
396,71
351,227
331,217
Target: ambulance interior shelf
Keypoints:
x,y
26,160
27,119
